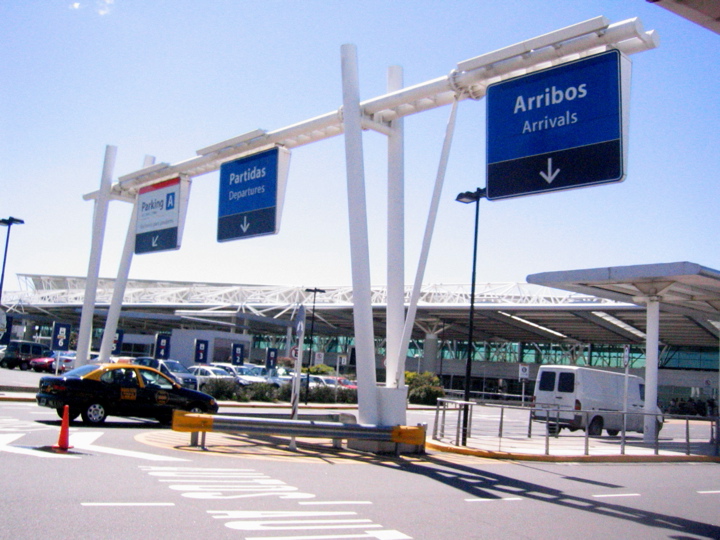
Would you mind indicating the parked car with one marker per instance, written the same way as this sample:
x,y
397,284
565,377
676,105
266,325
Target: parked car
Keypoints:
x,y
238,373
67,361
42,364
337,382
206,373
96,391
252,374
315,381
172,368
19,353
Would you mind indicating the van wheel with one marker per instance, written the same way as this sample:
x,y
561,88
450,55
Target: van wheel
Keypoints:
x,y
24,366
613,432
553,429
4,363
596,426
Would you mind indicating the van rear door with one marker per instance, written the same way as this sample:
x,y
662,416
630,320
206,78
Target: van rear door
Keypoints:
x,y
555,390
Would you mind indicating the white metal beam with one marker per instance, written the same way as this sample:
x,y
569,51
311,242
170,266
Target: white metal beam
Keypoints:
x,y
468,80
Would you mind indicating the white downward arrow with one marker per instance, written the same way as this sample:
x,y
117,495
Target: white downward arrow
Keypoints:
x,y
155,241
550,175
245,226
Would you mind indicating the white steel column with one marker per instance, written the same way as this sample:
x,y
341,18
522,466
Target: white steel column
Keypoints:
x,y
359,243
395,240
427,239
113,316
102,202
652,345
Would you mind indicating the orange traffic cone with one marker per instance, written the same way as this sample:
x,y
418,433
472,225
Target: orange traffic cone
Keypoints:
x,y
63,443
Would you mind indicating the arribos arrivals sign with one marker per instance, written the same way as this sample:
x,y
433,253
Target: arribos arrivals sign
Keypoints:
x,y
559,128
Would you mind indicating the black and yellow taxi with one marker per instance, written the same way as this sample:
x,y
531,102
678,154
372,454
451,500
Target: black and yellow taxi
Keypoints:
x,y
96,391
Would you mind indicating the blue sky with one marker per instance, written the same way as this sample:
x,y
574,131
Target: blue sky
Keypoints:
x,y
165,78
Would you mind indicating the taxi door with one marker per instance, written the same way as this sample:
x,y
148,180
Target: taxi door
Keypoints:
x,y
121,390
156,396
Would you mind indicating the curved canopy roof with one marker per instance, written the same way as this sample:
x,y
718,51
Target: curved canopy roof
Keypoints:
x,y
599,306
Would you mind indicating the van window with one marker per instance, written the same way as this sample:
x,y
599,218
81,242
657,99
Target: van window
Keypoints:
x,y
566,382
642,392
547,381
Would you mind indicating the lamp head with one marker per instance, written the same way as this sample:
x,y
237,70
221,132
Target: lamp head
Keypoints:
x,y
470,196
11,221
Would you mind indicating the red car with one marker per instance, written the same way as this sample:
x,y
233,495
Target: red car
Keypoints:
x,y
47,363
42,364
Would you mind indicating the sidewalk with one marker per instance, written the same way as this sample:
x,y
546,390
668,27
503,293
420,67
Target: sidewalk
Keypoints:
x,y
678,441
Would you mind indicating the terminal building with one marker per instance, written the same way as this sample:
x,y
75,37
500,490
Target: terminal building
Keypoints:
x,y
514,325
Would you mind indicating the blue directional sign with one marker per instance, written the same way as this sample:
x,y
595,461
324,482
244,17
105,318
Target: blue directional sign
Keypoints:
x,y
6,332
251,195
238,354
556,129
201,351
60,337
162,346
271,356
158,217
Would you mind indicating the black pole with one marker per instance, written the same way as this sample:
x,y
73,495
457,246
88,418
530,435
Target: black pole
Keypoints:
x,y
468,198
312,332
9,222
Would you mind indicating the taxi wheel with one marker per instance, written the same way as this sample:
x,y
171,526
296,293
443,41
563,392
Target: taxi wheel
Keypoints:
x,y
94,414
197,409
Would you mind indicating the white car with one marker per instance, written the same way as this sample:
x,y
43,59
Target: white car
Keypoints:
x,y
207,373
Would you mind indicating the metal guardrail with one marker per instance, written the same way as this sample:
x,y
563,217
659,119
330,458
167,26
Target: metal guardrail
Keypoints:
x,y
195,423
441,409
552,424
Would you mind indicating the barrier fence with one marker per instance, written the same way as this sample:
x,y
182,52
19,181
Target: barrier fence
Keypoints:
x,y
678,434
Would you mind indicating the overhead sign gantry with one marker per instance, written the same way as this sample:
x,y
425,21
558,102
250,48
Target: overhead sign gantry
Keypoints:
x,y
470,79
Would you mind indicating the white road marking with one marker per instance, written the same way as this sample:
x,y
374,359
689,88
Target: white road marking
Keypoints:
x,y
490,500
128,504
377,535
333,502
611,495
709,492
6,439
85,441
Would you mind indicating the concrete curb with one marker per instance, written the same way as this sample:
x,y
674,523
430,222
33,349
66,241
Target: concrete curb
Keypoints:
x,y
512,456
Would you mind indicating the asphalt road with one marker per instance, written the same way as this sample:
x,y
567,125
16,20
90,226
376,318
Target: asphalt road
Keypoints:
x,y
136,479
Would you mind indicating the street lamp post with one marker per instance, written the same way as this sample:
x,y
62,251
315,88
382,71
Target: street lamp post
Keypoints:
x,y
312,335
470,197
9,222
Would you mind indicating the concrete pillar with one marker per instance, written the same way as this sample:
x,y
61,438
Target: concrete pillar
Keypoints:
x,y
430,353
652,342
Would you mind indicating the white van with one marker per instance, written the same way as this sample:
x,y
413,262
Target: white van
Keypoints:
x,y
584,398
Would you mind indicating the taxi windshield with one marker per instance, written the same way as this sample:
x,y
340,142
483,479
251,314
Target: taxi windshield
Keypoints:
x,y
81,371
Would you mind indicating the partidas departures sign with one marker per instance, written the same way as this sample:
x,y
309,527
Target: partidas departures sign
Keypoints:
x,y
252,191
